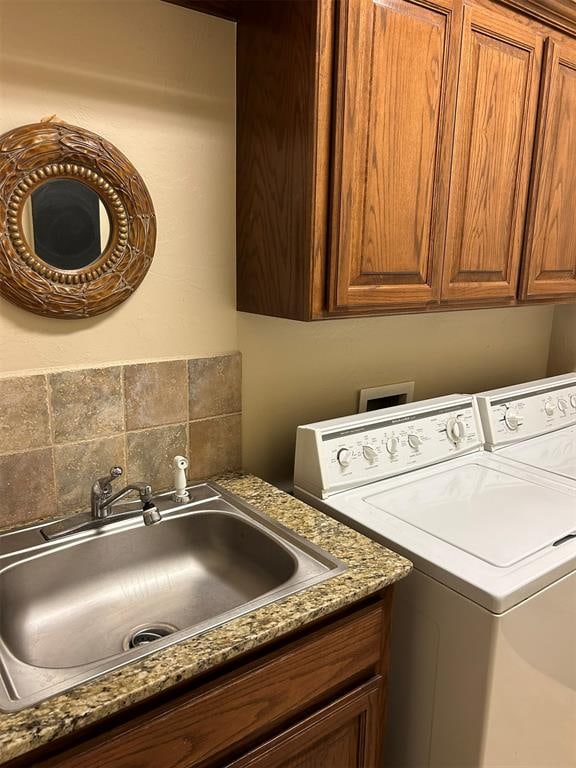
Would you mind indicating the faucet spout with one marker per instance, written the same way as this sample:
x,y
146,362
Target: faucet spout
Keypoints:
x,y
103,498
101,508
144,491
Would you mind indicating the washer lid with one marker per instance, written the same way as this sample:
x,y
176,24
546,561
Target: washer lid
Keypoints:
x,y
555,452
488,512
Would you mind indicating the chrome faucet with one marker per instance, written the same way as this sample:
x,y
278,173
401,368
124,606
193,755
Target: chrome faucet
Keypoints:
x,y
102,498
101,501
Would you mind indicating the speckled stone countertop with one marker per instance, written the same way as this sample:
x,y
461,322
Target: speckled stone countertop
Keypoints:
x,y
370,568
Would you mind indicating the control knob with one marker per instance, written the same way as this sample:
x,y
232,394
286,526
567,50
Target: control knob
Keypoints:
x,y
414,441
455,430
392,445
549,408
343,457
512,420
369,453
562,405
573,401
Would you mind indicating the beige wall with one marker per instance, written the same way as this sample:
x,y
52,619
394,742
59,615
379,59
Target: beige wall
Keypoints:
x,y
563,341
295,373
159,82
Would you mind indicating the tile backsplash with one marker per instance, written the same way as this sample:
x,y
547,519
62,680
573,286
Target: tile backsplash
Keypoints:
x,y
60,431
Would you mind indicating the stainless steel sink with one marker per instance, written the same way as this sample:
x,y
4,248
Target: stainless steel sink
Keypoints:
x,y
75,607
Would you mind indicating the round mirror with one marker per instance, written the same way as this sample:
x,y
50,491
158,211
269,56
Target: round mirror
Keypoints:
x,y
77,222
66,224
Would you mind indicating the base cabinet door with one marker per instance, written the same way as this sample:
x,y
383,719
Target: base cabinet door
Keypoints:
x,y
344,734
499,77
550,255
391,154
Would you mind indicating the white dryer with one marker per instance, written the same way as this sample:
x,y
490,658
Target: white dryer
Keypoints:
x,y
534,424
484,630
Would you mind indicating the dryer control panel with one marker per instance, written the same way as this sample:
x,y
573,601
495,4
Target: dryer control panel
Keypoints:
x,y
516,413
344,453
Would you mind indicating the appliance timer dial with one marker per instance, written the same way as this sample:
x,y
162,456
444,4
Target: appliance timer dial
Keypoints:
x,y
392,445
512,420
369,453
343,457
455,430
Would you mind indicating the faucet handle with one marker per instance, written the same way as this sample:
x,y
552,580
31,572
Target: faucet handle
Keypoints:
x,y
105,483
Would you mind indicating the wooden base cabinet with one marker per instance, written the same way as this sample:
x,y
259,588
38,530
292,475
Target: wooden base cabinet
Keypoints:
x,y
315,700
404,155
338,736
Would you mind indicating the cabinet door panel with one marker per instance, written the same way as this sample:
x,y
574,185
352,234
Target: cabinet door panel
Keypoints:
x,y
389,155
345,733
550,257
495,123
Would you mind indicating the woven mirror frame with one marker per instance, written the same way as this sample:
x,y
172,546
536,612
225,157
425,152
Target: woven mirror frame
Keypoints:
x,y
31,156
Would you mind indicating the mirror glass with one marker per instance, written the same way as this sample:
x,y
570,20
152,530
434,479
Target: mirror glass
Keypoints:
x,y
66,224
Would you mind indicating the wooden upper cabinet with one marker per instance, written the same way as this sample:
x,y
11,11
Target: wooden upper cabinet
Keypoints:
x,y
404,155
550,256
500,67
391,153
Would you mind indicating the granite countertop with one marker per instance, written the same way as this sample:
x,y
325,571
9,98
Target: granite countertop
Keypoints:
x,y
370,568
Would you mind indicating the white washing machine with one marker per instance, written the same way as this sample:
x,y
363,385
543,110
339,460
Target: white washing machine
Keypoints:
x,y
483,668
534,424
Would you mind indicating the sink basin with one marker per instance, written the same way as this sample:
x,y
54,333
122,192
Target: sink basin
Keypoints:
x,y
80,605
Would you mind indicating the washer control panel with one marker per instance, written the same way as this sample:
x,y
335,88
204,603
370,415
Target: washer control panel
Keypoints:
x,y
356,450
513,414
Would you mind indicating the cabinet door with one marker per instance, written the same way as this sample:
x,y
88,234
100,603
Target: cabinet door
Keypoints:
x,y
550,256
495,123
396,74
347,733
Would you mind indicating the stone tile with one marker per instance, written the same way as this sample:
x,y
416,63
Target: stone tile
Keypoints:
x,y
86,404
215,446
156,394
24,418
27,482
215,385
79,464
150,454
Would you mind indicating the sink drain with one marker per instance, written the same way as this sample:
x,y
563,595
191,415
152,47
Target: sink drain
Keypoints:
x,y
147,633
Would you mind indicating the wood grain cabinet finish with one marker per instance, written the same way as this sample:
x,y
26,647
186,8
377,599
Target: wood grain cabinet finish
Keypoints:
x,y
317,699
334,737
550,258
404,155
500,65
391,152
